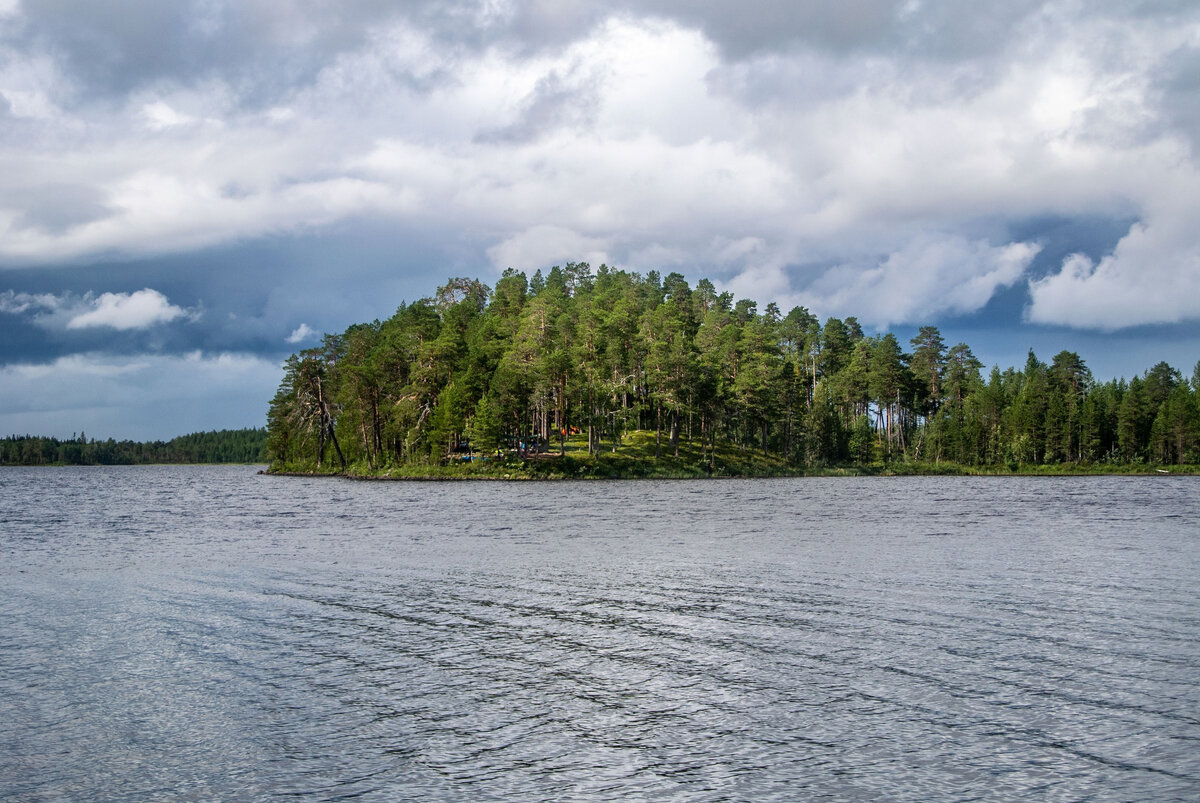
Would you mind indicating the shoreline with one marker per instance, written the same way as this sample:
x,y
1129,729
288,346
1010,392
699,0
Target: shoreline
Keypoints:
x,y
517,475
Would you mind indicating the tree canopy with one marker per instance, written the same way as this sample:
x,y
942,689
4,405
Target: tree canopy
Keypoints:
x,y
220,446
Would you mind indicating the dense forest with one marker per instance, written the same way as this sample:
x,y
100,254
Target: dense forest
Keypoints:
x,y
576,360
224,446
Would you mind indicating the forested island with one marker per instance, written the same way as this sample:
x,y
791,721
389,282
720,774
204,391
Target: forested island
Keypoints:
x,y
612,373
219,446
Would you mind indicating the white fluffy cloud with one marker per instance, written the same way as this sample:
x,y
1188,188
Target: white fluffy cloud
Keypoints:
x,y
927,278
159,115
142,309
1152,276
122,311
301,333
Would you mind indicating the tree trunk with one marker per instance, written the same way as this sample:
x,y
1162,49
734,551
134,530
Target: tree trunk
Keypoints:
x,y
336,447
658,432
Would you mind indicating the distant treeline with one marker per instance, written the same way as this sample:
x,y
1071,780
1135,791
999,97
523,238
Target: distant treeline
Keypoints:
x,y
224,446
535,360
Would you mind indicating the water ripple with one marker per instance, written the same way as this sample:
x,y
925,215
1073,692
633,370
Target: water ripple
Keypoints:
x,y
207,633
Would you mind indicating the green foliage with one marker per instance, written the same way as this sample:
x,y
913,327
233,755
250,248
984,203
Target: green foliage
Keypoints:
x,y
581,373
223,446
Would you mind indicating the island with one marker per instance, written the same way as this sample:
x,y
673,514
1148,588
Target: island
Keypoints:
x,y
612,373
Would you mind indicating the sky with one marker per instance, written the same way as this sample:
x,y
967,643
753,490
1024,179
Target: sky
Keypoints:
x,y
191,191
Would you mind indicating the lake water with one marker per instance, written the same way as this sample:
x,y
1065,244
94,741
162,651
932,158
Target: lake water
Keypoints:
x,y
198,633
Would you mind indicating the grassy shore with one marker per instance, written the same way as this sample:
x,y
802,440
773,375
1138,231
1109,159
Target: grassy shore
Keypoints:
x,y
634,458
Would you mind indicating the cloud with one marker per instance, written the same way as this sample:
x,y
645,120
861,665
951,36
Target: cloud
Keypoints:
x,y
55,208
1177,78
41,325
177,186
301,333
122,311
767,25
558,100
1151,277
764,145
627,107
159,116
143,397
639,135
927,278
15,303
263,45
542,246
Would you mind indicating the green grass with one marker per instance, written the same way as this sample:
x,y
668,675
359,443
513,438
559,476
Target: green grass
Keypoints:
x,y
634,458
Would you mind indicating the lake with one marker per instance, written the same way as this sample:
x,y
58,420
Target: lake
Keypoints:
x,y
198,633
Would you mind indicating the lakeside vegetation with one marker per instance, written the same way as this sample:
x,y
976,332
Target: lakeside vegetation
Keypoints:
x,y
582,374
220,446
